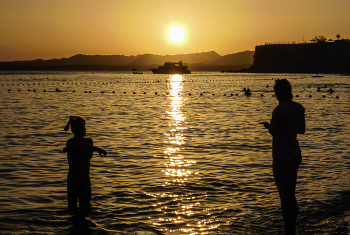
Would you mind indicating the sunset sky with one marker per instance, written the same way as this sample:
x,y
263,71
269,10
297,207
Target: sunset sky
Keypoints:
x,y
32,29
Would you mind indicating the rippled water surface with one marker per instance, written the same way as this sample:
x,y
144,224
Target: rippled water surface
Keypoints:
x,y
186,154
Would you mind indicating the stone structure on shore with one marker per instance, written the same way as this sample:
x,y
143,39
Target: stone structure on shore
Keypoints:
x,y
324,57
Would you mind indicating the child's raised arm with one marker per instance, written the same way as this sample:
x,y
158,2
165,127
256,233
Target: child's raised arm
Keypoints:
x,y
102,152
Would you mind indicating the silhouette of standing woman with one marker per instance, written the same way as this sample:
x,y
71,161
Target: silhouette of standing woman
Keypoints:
x,y
79,152
288,120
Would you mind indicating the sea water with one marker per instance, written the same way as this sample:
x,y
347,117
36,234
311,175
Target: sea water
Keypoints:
x,y
186,154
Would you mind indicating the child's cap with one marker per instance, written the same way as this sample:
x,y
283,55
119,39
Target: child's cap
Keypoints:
x,y
75,122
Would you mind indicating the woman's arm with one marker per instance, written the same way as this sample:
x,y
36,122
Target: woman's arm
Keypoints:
x,y
275,126
302,127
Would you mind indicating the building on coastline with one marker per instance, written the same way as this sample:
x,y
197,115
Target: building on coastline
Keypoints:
x,y
292,57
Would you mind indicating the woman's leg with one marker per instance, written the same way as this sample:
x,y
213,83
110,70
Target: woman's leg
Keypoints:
x,y
294,175
285,175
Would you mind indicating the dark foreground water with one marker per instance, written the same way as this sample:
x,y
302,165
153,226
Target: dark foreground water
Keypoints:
x,y
186,154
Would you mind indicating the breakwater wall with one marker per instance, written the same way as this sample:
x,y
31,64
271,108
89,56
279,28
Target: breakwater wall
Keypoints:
x,y
327,57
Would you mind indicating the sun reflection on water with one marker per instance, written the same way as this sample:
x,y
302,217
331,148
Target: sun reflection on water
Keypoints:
x,y
178,202
176,164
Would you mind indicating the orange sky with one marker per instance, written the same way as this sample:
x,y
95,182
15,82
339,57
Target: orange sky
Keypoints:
x,y
32,29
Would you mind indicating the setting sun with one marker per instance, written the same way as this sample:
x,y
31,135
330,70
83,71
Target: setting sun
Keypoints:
x,y
176,34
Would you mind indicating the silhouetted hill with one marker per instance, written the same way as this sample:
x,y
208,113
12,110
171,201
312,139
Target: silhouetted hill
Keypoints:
x,y
205,57
245,57
210,61
146,59
100,59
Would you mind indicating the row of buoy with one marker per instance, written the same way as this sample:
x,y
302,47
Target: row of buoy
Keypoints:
x,y
76,83
212,75
329,90
318,89
94,83
167,93
324,96
247,92
155,81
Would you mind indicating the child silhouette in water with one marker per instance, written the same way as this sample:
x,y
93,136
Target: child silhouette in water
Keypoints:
x,y
79,152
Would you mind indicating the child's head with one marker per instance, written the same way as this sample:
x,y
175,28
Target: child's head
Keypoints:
x,y
78,126
283,90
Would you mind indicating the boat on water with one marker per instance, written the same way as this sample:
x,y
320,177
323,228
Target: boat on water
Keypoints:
x,y
136,71
171,68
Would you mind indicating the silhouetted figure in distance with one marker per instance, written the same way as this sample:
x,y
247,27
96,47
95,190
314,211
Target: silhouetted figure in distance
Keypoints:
x,y
288,120
248,92
79,152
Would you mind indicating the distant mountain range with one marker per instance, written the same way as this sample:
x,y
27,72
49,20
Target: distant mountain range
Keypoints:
x,y
206,61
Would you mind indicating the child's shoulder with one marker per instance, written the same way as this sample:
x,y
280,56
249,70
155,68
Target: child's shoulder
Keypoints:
x,y
88,141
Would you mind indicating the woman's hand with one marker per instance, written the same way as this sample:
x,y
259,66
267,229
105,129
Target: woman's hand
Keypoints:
x,y
102,152
266,124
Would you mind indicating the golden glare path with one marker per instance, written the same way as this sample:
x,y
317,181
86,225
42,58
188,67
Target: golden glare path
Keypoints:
x,y
179,171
